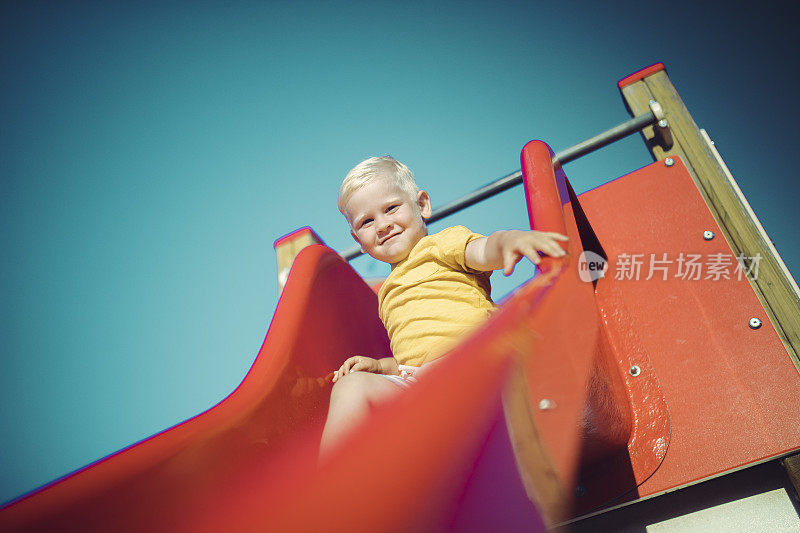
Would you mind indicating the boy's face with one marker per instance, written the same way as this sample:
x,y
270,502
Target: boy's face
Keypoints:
x,y
385,221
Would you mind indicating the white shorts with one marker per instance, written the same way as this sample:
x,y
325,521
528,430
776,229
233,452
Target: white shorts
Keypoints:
x,y
406,377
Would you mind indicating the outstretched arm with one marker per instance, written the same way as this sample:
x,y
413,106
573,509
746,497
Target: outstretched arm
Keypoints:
x,y
504,249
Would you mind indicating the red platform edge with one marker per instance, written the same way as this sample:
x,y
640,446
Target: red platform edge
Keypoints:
x,y
295,234
640,75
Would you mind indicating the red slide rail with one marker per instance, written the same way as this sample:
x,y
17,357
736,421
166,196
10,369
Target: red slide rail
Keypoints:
x,y
586,416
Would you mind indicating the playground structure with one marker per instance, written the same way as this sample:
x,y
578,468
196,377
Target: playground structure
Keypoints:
x,y
586,392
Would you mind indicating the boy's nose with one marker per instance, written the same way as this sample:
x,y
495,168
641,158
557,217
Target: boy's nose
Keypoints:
x,y
383,224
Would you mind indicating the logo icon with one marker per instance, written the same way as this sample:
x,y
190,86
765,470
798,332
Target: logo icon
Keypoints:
x,y
591,266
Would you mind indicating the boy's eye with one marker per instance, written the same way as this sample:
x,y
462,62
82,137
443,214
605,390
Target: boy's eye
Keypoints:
x,y
366,222
392,208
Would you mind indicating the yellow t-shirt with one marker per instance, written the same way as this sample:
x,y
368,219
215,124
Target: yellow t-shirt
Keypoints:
x,y
432,299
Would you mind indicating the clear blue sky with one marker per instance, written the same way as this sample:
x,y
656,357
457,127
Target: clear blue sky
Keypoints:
x,y
151,153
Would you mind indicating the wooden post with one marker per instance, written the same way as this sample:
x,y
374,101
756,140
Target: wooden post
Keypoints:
x,y
287,248
792,466
774,285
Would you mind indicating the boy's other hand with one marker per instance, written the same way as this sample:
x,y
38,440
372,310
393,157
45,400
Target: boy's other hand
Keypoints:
x,y
518,244
357,363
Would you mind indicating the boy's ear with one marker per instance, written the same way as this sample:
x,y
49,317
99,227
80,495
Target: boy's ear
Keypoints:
x,y
353,233
424,203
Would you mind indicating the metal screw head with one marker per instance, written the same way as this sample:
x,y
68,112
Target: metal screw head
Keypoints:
x,y
754,323
708,235
545,404
634,371
580,490
669,161
663,123
657,110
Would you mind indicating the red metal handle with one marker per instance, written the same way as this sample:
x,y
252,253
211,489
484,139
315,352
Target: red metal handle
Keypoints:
x,y
545,194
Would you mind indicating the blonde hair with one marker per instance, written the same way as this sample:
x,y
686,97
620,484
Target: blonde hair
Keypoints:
x,y
376,168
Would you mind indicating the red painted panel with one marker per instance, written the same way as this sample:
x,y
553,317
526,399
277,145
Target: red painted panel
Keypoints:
x,y
732,391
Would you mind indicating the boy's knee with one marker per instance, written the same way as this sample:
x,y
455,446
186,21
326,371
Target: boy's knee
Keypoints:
x,y
350,384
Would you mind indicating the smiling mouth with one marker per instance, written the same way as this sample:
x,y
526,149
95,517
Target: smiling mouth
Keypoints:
x,y
389,238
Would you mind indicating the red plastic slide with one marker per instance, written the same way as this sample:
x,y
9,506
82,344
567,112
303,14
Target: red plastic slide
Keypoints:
x,y
436,457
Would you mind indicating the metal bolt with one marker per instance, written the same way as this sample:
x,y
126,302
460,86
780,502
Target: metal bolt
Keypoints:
x,y
634,371
755,323
708,235
580,491
657,110
663,123
546,404
669,161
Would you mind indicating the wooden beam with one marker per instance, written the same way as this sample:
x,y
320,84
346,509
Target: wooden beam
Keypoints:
x,y
792,466
287,248
774,284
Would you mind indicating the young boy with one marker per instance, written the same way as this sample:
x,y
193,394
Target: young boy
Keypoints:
x,y
437,291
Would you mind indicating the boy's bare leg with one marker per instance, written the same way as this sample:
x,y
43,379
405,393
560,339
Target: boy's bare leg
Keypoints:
x,y
352,398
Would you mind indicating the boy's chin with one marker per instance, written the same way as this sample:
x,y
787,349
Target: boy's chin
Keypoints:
x,y
392,260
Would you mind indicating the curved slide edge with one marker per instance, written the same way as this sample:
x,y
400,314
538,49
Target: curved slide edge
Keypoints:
x,y
326,311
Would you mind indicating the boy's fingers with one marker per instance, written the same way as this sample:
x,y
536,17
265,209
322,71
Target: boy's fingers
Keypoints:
x,y
532,254
533,257
547,246
509,261
554,235
356,364
351,364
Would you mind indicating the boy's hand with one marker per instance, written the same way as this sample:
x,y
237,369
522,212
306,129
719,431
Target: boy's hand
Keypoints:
x,y
359,362
504,249
518,244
